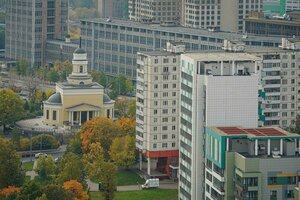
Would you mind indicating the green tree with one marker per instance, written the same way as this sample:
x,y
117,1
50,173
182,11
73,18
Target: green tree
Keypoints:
x,y
45,167
132,109
101,170
23,67
54,192
11,173
122,151
52,76
74,145
100,77
71,168
44,141
11,107
29,191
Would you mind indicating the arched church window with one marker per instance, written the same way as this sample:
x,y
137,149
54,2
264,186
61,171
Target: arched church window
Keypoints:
x,y
81,69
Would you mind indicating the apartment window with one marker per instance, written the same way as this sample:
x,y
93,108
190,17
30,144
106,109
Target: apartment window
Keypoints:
x,y
173,136
156,61
165,103
155,94
173,119
173,110
173,128
54,115
155,128
165,86
165,77
164,137
165,111
164,119
174,85
166,60
155,120
165,128
174,61
155,103
174,102
284,106
273,194
174,77
173,144
165,69
47,114
155,86
154,146
154,137
155,112
81,69
174,94
156,78
165,94
164,145
155,69
284,114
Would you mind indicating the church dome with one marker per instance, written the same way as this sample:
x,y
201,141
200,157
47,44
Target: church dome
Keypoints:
x,y
106,98
54,99
80,51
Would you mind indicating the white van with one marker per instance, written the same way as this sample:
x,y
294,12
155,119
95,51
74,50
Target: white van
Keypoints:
x,y
151,183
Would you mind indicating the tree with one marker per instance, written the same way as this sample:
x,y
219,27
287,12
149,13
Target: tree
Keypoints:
x,y
11,173
76,189
30,190
132,109
71,168
126,126
23,67
9,193
122,151
52,192
101,170
49,93
44,141
101,130
52,76
11,107
74,145
100,77
121,106
45,167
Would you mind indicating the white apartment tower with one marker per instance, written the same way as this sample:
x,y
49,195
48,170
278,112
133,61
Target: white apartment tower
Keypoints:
x,y
217,89
226,15
154,10
157,109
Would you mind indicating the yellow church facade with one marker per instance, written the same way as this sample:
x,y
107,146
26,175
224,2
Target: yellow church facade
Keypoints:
x,y
77,100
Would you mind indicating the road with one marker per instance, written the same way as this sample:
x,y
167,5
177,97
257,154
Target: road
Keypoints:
x,y
56,154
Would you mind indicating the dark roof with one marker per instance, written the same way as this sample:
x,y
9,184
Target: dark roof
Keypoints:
x,y
80,51
54,98
106,98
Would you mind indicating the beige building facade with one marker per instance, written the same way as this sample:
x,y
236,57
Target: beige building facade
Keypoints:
x,y
77,100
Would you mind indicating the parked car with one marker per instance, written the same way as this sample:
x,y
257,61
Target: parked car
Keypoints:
x,y
40,154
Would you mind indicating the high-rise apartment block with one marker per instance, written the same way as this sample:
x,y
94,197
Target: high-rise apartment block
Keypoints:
x,y
234,11
217,89
280,7
113,8
154,10
29,23
157,109
251,163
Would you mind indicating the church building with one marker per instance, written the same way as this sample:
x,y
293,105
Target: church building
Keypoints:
x,y
79,99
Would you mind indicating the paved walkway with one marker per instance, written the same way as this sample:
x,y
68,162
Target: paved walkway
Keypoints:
x,y
32,174
164,184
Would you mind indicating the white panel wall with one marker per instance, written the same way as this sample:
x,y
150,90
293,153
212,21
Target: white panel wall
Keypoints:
x,y
232,101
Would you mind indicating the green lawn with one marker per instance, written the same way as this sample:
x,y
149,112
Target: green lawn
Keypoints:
x,y
129,178
27,178
28,166
126,177
141,195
